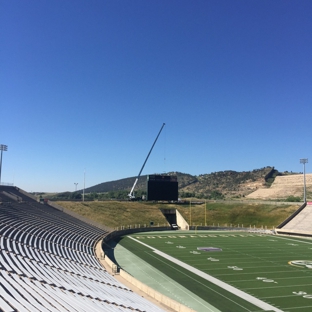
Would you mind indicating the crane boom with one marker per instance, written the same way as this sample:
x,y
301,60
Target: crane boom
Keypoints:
x,y
136,180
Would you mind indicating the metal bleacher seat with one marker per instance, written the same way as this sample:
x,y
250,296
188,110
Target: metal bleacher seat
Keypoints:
x,y
47,262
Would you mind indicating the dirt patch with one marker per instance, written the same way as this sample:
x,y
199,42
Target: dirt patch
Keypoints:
x,y
283,187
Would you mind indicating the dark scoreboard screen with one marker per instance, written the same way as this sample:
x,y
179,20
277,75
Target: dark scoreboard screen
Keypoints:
x,y
162,187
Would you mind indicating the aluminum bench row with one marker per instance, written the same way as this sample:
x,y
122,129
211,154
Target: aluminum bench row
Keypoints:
x,y
47,238
54,224
80,295
48,214
45,265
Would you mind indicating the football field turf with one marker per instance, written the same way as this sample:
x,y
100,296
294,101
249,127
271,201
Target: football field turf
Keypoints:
x,y
233,271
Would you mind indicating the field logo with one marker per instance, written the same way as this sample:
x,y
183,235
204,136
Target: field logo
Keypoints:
x,y
301,263
303,294
266,280
235,268
209,249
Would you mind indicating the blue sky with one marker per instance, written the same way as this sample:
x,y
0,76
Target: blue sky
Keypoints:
x,y
86,85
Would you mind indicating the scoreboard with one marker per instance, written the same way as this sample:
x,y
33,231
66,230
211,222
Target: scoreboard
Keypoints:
x,y
162,187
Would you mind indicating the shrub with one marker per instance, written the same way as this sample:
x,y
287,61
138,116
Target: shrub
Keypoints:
x,y
292,198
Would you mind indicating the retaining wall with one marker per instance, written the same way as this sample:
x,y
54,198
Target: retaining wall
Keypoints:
x,y
172,304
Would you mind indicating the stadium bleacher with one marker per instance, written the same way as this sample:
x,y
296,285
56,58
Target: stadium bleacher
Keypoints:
x,y
48,262
299,223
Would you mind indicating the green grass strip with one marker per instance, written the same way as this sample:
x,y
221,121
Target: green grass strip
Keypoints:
x,y
209,292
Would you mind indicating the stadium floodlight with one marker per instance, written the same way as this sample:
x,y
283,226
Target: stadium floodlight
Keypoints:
x,y
84,185
304,161
3,148
190,213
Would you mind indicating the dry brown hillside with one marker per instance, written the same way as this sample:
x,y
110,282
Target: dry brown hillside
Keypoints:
x,y
229,183
283,187
216,185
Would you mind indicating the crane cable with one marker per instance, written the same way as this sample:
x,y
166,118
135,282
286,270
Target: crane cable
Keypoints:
x,y
165,143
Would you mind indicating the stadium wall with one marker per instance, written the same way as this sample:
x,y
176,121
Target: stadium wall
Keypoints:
x,y
181,221
170,303
176,306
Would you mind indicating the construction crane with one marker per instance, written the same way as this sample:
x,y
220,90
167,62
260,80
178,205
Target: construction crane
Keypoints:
x,y
131,194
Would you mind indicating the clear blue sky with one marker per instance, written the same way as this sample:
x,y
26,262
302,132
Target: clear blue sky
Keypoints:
x,y
86,85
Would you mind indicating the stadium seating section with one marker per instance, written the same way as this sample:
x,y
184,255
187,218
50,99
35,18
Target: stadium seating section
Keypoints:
x,y
48,262
299,223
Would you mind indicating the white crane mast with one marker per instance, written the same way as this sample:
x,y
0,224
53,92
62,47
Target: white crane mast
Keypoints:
x,y
131,195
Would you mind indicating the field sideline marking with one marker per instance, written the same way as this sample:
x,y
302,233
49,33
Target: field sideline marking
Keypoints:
x,y
206,286
180,287
255,301
296,240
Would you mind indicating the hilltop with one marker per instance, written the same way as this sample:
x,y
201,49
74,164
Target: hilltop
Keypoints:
x,y
215,185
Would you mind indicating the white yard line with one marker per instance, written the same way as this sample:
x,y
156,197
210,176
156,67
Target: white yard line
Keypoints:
x,y
255,301
296,240
211,289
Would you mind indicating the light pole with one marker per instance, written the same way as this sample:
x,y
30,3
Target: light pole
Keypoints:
x,y
205,213
76,186
2,148
304,161
84,185
190,213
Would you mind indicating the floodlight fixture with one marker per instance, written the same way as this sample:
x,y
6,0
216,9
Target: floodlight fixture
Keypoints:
x,y
3,148
304,161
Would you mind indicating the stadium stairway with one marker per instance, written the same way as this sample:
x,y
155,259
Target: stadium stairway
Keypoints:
x,y
48,262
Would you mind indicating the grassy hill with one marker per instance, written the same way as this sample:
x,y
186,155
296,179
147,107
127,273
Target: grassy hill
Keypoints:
x,y
123,213
215,185
117,213
227,184
127,183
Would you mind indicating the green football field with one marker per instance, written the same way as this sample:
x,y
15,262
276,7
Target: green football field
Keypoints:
x,y
233,271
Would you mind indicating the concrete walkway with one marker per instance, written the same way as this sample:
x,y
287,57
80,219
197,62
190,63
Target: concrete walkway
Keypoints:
x,y
155,279
98,251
